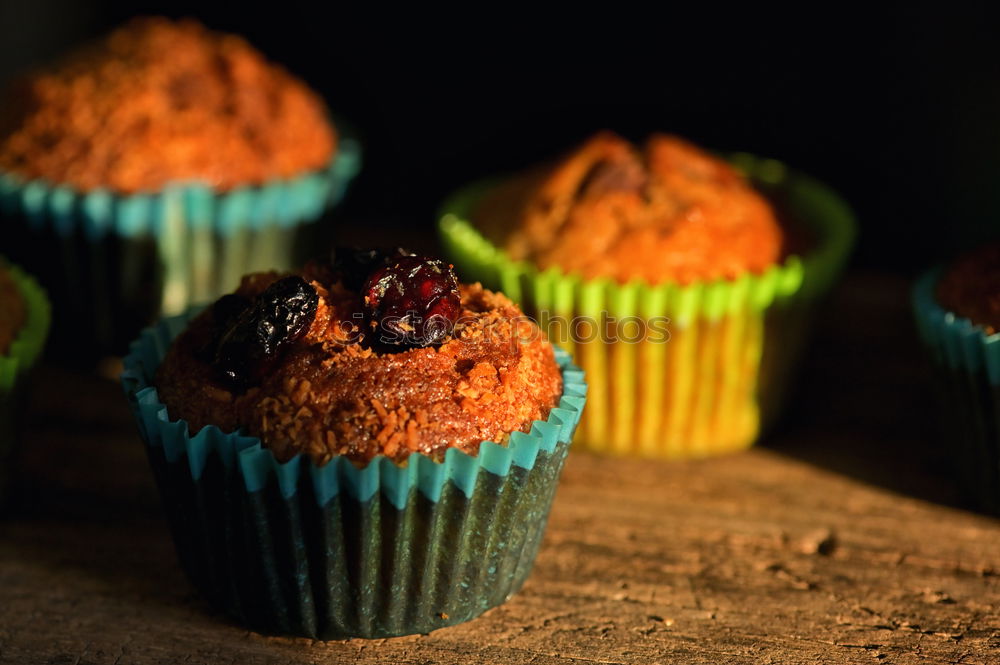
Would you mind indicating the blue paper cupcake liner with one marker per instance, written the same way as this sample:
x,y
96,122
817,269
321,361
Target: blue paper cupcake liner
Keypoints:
x,y
336,551
967,361
113,262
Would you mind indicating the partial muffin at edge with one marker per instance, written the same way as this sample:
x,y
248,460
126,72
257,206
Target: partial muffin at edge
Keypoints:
x,y
13,310
970,287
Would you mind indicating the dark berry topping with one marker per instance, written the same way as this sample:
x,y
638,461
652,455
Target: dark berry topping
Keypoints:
x,y
255,336
226,309
354,265
413,301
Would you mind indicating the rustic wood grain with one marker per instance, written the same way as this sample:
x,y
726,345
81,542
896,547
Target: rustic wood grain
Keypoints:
x,y
837,542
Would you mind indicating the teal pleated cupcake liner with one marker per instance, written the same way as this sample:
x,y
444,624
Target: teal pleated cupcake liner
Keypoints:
x,y
17,362
113,263
967,362
336,551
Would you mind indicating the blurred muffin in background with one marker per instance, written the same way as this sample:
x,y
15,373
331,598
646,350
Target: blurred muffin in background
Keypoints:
x,y
670,213
24,326
13,310
958,315
157,102
159,164
680,281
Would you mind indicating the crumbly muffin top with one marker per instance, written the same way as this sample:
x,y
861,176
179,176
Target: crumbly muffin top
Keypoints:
x,y
13,311
671,212
971,287
158,101
333,394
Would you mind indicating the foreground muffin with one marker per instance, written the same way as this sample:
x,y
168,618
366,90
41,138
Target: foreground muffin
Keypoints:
x,y
679,281
169,160
24,325
958,315
380,445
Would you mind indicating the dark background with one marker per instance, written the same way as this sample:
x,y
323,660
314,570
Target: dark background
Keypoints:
x,y
897,109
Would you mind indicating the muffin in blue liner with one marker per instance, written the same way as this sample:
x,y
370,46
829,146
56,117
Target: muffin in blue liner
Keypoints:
x,y
150,169
967,363
338,551
113,262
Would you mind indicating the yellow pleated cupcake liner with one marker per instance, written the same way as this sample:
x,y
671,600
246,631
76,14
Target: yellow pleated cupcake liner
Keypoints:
x,y
721,374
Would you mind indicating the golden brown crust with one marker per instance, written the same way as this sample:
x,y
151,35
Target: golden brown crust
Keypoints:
x,y
327,397
158,101
13,311
971,288
673,213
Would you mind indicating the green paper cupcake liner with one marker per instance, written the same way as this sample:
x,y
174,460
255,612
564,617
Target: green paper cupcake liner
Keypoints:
x,y
16,364
336,551
732,345
113,262
967,363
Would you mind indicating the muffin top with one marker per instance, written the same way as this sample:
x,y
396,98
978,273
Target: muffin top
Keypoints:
x,y
670,212
158,101
970,287
13,311
342,384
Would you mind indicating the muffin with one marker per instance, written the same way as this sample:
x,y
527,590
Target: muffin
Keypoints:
x,y
670,213
361,448
958,315
153,168
24,325
680,282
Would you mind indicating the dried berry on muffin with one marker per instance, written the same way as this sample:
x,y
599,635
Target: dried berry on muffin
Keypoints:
x,y
413,301
158,101
668,212
248,342
311,363
971,287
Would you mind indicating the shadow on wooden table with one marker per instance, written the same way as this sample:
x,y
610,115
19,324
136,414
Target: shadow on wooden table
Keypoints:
x,y
84,499
864,405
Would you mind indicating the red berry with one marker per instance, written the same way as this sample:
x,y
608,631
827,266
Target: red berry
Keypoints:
x,y
413,301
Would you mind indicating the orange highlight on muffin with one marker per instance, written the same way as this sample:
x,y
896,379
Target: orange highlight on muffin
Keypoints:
x,y
669,213
158,101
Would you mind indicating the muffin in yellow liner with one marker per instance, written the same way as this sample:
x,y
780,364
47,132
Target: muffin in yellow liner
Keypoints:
x,y
675,370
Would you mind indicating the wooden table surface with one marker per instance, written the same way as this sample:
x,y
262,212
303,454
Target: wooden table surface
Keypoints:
x,y
836,541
